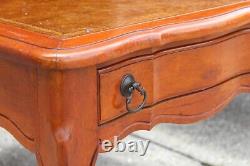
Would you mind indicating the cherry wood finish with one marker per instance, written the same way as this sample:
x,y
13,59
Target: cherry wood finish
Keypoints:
x,y
176,72
60,96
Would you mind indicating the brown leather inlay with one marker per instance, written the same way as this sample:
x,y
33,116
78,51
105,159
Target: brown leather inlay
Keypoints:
x,y
70,18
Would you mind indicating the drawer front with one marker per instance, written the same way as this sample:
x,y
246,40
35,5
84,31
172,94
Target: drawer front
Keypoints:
x,y
174,73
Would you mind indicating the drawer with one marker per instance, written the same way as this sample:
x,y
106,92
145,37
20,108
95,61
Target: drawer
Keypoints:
x,y
173,73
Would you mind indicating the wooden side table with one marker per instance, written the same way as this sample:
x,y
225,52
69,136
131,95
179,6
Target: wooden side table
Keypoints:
x,y
74,73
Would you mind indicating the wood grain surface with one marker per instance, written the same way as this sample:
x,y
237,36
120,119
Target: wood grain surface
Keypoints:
x,y
45,40
60,97
18,101
110,47
73,18
175,72
67,117
181,110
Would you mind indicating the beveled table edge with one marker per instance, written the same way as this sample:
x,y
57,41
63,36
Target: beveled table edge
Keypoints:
x,y
122,43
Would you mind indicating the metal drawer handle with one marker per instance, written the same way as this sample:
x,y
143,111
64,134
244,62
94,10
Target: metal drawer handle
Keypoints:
x,y
128,85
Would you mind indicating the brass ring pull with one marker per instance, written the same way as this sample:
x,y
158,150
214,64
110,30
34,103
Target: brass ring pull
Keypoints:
x,y
128,85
